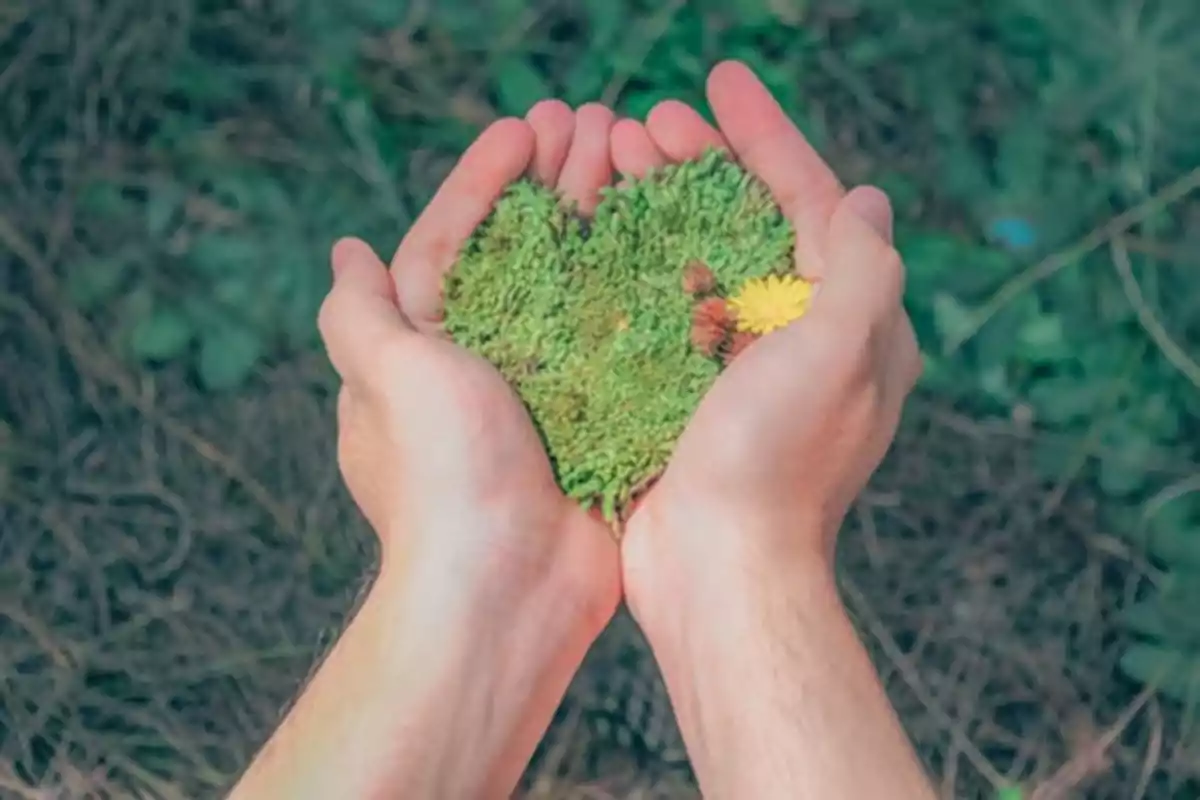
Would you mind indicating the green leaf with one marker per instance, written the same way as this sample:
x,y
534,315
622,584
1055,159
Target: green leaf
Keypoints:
x,y
586,79
1062,399
218,253
1160,416
1169,615
1175,674
606,22
751,12
963,173
1053,458
228,355
103,199
935,373
1022,160
1146,619
930,257
236,292
90,284
1173,534
995,381
162,209
1121,477
379,13
306,290
519,86
998,342
1042,339
161,335
950,316
903,191
1128,456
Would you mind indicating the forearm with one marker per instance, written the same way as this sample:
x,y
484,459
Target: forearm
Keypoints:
x,y
425,697
777,697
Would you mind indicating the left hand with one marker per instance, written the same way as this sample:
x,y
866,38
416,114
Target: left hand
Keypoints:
x,y
788,436
436,449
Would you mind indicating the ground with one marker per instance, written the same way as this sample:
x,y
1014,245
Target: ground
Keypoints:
x,y
177,550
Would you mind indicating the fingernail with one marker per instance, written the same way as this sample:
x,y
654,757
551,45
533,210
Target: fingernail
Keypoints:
x,y
872,206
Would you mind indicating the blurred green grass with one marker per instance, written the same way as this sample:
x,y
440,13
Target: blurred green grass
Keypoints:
x,y
235,141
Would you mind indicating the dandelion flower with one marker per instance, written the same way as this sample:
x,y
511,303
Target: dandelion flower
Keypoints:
x,y
766,304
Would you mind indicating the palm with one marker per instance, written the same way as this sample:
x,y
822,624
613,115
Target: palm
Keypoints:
x,y
756,131
486,423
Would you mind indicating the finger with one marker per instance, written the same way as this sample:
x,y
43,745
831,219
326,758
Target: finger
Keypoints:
x,y
904,362
553,124
498,157
900,371
681,133
360,313
634,153
588,168
872,206
769,145
866,275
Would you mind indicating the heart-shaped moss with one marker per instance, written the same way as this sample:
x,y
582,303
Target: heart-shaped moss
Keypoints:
x,y
611,330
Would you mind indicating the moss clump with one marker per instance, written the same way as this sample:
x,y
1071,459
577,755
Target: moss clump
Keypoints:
x,y
595,324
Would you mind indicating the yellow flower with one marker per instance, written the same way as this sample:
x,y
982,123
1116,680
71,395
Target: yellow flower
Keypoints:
x,y
766,304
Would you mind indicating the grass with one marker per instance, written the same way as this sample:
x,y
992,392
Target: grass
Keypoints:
x,y
175,546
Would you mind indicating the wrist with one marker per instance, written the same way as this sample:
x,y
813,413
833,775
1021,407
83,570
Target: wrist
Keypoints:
x,y
728,603
503,562
708,560
530,639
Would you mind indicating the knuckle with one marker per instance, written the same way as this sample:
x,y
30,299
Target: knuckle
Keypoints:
x,y
329,313
916,364
844,354
911,367
830,336
892,273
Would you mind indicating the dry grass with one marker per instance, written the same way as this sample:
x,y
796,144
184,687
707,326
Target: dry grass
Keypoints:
x,y
172,563
158,611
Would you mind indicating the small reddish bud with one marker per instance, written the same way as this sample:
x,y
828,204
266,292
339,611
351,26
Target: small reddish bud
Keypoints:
x,y
713,312
710,324
698,279
738,342
707,337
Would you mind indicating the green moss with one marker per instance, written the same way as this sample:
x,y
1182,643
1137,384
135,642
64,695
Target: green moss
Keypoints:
x,y
590,322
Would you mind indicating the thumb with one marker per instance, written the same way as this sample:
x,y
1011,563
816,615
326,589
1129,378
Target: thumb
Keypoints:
x,y
873,207
360,314
865,277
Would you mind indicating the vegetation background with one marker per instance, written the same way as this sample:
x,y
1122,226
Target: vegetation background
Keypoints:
x,y
175,546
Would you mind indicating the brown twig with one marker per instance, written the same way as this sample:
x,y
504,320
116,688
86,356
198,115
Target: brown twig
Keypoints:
x,y
1149,321
1025,280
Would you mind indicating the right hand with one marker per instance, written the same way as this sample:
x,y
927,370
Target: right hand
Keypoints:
x,y
790,433
436,449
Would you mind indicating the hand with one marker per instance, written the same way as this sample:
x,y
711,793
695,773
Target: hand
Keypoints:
x,y
436,449
485,562
790,433
728,559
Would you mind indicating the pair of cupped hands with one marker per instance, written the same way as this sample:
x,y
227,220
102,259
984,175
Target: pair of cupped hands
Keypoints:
x,y
445,463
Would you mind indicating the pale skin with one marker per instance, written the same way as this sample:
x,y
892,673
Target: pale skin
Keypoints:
x,y
493,584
